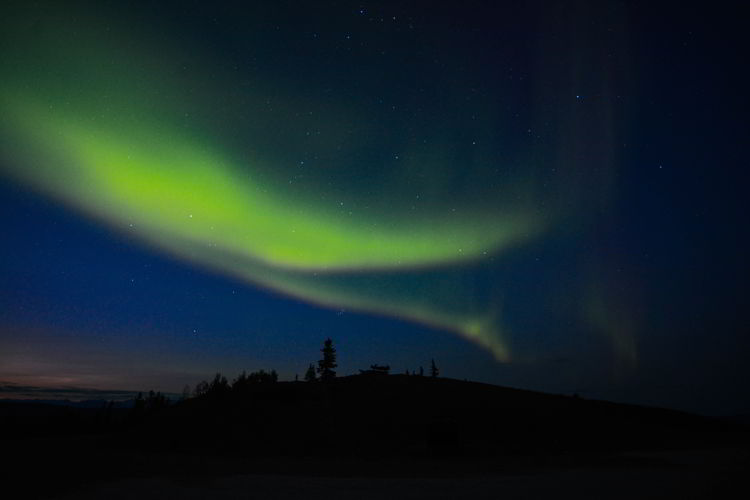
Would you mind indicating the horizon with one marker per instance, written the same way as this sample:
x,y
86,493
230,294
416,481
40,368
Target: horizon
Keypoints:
x,y
12,392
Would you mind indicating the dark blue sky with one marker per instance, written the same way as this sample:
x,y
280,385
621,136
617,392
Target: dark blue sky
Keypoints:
x,y
620,125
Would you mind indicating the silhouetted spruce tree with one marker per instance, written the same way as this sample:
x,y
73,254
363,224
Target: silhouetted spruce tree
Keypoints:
x,y
140,404
328,363
201,388
138,410
219,387
262,376
421,371
434,372
240,383
156,401
310,374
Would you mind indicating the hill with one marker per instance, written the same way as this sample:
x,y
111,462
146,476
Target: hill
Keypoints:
x,y
376,415
364,426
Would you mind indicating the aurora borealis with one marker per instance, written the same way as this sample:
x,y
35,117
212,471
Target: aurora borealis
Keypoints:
x,y
372,161
115,153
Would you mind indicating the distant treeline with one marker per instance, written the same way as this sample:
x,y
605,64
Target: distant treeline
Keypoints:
x,y
325,372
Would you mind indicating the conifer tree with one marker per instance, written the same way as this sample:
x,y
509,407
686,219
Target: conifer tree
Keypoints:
x,y
328,363
310,374
434,372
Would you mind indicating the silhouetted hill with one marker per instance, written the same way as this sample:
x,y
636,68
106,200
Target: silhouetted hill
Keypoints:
x,y
411,415
369,426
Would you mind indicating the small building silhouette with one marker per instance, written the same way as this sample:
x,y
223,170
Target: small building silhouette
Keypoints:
x,y
376,370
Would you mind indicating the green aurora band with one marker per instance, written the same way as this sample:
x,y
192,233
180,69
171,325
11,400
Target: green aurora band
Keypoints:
x,y
109,139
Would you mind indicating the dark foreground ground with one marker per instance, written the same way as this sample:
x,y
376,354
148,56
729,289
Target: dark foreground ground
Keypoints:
x,y
76,468
362,438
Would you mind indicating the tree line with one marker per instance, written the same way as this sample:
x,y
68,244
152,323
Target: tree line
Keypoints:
x,y
220,386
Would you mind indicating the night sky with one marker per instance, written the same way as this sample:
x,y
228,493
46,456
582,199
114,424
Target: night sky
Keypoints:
x,y
545,195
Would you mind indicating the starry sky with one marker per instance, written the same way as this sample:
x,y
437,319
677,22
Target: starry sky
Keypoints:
x,y
542,195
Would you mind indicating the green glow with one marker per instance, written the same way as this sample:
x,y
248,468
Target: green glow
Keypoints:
x,y
112,142
175,188
188,202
